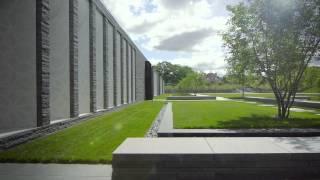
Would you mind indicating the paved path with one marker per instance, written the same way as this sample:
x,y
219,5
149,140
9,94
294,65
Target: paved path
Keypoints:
x,y
55,172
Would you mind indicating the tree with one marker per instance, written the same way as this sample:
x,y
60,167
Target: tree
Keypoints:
x,y
280,37
172,73
193,82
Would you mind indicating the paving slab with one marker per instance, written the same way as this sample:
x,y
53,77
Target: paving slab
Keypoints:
x,y
217,158
9,171
163,146
298,144
244,145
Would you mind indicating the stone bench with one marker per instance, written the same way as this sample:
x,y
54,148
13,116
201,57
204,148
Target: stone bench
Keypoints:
x,y
191,98
219,158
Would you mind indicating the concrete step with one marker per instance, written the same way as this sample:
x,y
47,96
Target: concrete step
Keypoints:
x,y
225,158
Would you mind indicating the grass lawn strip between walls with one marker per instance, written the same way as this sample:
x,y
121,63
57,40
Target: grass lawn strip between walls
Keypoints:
x,y
92,141
236,115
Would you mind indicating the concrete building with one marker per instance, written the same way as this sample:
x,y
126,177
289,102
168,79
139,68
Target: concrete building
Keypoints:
x,y
64,59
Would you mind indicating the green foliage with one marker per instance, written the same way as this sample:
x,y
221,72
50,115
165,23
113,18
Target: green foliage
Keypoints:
x,y
275,40
311,79
172,73
192,83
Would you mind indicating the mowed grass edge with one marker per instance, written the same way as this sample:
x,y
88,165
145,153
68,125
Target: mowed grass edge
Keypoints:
x,y
236,115
92,141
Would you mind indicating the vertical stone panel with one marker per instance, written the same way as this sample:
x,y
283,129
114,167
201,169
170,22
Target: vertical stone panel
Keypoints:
x,y
124,72
163,89
117,66
148,81
42,57
105,59
110,59
158,83
73,43
92,52
84,58
161,85
18,100
155,83
129,74
99,61
134,75
140,77
59,64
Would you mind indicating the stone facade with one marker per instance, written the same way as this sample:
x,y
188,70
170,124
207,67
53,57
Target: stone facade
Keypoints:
x,y
158,83
65,58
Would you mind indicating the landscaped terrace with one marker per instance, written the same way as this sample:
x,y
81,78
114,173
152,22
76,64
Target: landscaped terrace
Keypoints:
x,y
232,114
92,141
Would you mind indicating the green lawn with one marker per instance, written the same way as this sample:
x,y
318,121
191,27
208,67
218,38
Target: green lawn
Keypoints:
x,y
239,95
164,96
92,141
228,114
313,96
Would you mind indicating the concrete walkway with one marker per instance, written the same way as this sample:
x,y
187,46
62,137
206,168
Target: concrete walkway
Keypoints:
x,y
55,172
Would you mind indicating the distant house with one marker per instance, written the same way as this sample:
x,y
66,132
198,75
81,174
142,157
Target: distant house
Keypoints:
x,y
213,78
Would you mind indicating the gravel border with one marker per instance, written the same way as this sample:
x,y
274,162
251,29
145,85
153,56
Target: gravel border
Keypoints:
x,y
153,131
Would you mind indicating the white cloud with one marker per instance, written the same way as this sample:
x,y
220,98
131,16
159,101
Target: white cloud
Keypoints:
x,y
191,26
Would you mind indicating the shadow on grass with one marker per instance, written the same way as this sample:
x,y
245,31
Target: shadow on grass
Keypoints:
x,y
261,121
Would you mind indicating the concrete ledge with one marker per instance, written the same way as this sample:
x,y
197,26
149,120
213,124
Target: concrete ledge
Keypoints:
x,y
294,132
297,102
222,158
166,130
191,98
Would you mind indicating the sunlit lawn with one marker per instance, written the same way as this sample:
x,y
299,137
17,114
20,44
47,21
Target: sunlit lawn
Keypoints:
x,y
92,141
230,114
313,96
164,96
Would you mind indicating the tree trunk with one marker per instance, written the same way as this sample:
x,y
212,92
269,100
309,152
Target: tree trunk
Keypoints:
x,y
284,105
242,91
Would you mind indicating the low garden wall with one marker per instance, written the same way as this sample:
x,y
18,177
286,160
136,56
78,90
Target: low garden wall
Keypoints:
x,y
221,158
191,98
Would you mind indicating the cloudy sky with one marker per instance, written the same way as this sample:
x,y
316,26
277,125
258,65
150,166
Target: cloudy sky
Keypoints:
x,y
185,32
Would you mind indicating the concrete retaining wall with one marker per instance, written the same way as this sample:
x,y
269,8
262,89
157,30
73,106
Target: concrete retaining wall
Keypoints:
x,y
84,64
158,83
60,59
140,77
59,67
18,84
110,74
117,70
99,61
